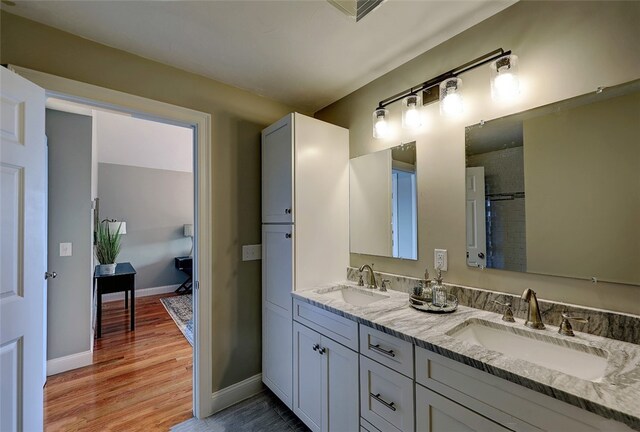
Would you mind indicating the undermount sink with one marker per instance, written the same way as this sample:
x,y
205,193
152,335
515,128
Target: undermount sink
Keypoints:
x,y
355,296
581,361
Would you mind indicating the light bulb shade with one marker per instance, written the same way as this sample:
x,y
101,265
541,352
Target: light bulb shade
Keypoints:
x,y
505,84
381,123
187,230
451,102
113,226
411,112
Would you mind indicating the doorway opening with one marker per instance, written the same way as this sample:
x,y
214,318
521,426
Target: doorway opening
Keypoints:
x,y
138,175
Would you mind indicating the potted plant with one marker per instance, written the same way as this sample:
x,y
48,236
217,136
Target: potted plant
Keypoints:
x,y
107,247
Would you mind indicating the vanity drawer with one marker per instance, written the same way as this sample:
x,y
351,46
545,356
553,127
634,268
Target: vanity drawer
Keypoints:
x,y
333,326
386,397
509,404
386,349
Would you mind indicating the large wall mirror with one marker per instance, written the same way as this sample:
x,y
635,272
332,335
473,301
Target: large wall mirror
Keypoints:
x,y
383,215
556,190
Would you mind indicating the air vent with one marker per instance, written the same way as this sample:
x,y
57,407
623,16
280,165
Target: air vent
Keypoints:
x,y
355,9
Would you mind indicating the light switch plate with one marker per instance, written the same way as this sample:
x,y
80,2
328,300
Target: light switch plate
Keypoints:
x,y
440,259
66,249
251,252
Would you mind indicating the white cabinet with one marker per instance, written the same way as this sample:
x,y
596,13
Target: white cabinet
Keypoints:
x,y
277,172
276,350
325,394
277,273
435,413
305,241
277,265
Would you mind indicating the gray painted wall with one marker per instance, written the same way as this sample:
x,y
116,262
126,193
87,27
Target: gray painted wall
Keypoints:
x,y
155,204
70,217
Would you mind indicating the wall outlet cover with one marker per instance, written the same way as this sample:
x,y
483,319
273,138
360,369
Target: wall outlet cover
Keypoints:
x,y
440,260
251,252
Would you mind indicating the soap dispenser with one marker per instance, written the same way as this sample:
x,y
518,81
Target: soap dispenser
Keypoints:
x,y
438,291
423,286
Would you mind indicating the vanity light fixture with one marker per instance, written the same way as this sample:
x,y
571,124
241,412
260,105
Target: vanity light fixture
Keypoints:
x,y
411,111
380,123
446,89
505,84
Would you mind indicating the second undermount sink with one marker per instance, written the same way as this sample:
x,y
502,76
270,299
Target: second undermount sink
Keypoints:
x,y
581,361
355,296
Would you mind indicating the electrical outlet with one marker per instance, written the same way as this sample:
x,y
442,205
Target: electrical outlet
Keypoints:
x,y
440,259
251,252
66,249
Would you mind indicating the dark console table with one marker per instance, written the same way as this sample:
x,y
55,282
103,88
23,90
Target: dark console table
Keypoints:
x,y
185,265
124,279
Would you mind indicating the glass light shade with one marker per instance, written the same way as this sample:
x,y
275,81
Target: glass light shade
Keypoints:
x,y
505,84
187,230
451,102
381,123
411,112
113,226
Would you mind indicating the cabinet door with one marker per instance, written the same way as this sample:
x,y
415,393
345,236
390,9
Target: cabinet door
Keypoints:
x,y
308,368
277,265
342,391
277,172
277,351
435,413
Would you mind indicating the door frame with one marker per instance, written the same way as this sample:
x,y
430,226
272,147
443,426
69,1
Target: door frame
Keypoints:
x,y
79,92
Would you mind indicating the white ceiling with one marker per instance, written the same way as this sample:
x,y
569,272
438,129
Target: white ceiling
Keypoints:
x,y
302,52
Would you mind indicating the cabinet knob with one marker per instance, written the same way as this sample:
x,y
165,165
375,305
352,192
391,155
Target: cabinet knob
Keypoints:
x,y
322,351
287,235
316,347
50,275
287,211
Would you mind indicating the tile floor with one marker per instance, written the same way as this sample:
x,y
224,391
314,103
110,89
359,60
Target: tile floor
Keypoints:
x,y
263,412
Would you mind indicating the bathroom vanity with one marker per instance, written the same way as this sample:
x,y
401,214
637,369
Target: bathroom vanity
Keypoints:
x,y
364,358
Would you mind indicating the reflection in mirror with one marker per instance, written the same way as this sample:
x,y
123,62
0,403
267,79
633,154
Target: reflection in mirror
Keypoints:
x,y
383,211
556,190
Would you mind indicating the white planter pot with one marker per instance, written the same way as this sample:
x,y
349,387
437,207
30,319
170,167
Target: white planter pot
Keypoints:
x,y
108,268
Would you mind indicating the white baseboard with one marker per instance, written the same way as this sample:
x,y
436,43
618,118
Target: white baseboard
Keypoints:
x,y
236,393
66,363
144,292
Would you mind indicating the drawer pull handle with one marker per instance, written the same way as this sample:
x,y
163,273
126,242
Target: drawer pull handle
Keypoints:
x,y
389,405
377,348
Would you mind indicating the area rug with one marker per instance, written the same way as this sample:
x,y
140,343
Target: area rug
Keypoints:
x,y
180,308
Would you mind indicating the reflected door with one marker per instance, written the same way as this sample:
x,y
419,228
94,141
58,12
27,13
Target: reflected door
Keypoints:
x,y
476,218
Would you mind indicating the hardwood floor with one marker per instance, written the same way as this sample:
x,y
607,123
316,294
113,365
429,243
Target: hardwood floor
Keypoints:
x,y
139,381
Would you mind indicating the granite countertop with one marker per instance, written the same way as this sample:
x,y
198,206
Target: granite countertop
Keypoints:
x,y
615,396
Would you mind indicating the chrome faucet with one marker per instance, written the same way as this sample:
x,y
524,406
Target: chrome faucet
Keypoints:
x,y
534,320
372,279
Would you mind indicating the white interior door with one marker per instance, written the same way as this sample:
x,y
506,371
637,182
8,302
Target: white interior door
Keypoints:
x,y
22,257
476,218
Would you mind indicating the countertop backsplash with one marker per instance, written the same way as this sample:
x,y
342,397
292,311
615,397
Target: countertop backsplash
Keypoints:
x,y
614,325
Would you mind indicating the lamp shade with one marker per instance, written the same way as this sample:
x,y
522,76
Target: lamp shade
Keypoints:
x,y
113,227
188,230
380,124
504,78
450,98
411,112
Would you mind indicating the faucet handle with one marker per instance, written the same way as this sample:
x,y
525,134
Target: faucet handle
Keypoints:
x,y
508,312
565,326
383,285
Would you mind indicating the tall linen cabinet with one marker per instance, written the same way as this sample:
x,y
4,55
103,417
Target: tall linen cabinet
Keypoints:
x,y
305,229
